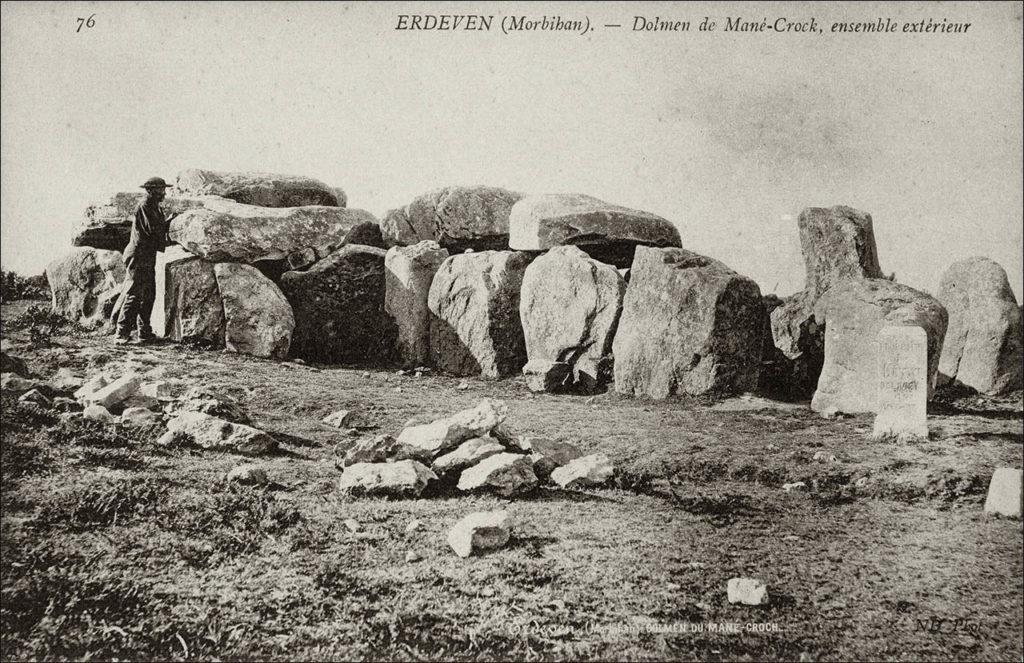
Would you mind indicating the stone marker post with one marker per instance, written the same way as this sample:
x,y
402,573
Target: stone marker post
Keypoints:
x,y
901,409
1005,492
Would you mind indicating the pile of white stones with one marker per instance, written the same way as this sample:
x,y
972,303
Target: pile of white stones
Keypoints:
x,y
472,447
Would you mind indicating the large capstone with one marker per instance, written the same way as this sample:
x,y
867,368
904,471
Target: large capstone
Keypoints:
x,y
108,226
854,311
982,349
456,217
339,308
610,233
689,325
85,283
476,328
224,230
409,271
192,305
570,306
257,318
262,189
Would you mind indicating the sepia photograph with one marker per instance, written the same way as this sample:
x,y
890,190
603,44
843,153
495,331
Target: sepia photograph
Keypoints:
x,y
511,331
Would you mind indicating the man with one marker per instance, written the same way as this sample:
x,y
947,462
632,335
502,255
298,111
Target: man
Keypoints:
x,y
149,235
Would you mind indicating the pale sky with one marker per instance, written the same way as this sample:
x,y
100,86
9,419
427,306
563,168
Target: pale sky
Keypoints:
x,y
728,135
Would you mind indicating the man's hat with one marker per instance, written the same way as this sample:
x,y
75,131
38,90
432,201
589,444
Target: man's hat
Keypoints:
x,y
155,183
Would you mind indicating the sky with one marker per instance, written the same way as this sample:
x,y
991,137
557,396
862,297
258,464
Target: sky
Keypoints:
x,y
726,134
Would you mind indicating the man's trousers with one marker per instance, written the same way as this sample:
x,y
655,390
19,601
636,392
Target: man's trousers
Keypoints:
x,y
138,294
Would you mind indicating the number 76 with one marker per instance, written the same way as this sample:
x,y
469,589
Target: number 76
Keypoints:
x,y
87,22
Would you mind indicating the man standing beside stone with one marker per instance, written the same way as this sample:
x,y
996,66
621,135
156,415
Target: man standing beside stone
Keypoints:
x,y
149,235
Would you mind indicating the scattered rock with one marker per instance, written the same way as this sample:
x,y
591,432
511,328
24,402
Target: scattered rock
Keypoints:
x,y
406,478
592,470
825,457
84,284
462,386
411,556
376,449
173,439
12,364
854,311
210,401
796,485
140,400
352,525
91,386
409,272
163,390
479,532
466,454
339,308
982,348
457,217
548,455
609,233
36,397
570,306
65,380
63,404
13,383
342,419
258,320
708,341
139,416
505,473
747,591
475,300
223,230
211,432
115,392
413,525
248,474
427,441
1005,492
98,413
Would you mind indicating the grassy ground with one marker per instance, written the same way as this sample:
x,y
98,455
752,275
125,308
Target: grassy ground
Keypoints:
x,y
114,547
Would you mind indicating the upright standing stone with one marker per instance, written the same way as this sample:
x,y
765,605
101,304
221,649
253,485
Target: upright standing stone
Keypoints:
x,y
192,306
476,327
409,271
902,406
84,284
1005,492
690,325
570,306
838,243
339,308
853,312
257,318
983,345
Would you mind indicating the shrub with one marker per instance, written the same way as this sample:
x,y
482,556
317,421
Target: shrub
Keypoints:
x,y
14,286
101,503
41,323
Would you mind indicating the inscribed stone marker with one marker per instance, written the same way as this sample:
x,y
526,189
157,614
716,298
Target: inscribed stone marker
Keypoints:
x,y
901,409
